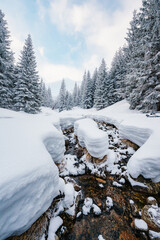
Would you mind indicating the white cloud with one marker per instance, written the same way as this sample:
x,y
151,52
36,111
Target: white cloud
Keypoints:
x,y
54,72
41,51
103,33
42,10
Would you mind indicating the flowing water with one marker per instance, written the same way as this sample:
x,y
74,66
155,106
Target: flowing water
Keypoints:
x,y
115,224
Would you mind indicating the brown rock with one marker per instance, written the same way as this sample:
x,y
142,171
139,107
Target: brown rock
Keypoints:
x,y
134,210
148,219
139,224
128,143
101,180
152,201
89,158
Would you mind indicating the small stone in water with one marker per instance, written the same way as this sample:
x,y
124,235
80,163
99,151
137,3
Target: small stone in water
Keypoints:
x,y
79,214
96,209
109,203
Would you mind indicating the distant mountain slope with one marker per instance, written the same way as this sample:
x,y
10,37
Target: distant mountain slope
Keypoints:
x,y
55,86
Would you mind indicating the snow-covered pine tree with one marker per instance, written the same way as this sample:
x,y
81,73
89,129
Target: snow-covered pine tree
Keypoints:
x,y
7,74
62,96
99,100
78,96
150,28
43,93
49,98
69,101
94,80
27,89
75,95
82,90
88,92
135,52
117,76
108,94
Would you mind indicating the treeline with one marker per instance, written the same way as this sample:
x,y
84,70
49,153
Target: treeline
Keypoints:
x,y
20,86
134,72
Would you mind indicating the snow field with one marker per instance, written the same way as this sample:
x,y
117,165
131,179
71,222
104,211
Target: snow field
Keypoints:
x,y
29,179
140,129
91,137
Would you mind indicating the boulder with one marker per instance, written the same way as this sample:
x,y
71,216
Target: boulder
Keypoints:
x,y
151,215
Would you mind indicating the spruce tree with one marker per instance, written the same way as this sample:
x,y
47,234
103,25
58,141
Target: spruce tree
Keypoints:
x,y
99,100
88,92
27,89
94,80
83,86
7,71
75,95
62,97
69,101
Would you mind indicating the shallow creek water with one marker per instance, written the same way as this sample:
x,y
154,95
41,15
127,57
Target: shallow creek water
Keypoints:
x,y
115,224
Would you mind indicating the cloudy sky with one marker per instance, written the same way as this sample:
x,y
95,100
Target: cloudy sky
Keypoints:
x,y
69,36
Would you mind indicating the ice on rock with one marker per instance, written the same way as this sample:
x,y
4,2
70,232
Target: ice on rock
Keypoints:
x,y
101,185
71,167
69,195
154,235
122,181
141,224
100,237
109,203
116,184
79,214
55,223
96,209
154,213
91,137
131,201
88,202
29,179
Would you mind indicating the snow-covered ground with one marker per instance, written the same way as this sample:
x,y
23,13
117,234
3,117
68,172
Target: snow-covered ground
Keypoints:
x,y
29,179
140,129
68,118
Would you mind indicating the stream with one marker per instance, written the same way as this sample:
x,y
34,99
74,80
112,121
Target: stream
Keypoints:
x,y
115,224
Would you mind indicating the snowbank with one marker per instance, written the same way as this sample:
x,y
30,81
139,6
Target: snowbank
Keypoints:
x,y
140,129
29,178
68,118
91,137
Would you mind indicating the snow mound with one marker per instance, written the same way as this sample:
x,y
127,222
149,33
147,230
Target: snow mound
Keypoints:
x,y
140,129
88,202
29,179
68,118
91,137
55,223
141,224
67,122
